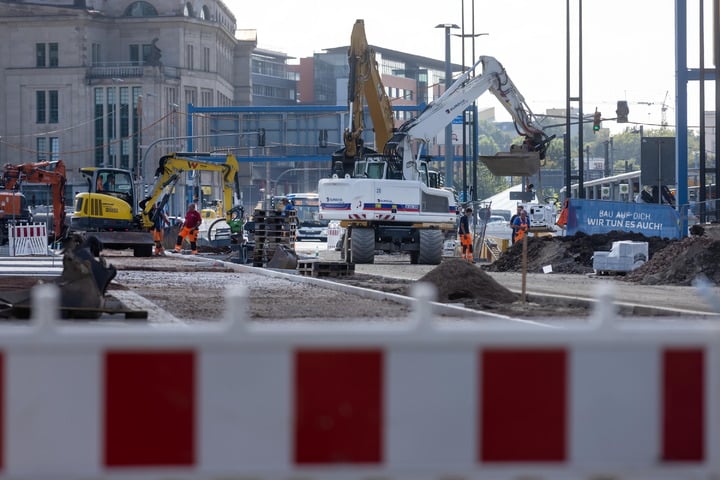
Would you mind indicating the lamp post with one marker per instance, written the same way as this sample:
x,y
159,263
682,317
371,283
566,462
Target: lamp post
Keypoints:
x,y
448,128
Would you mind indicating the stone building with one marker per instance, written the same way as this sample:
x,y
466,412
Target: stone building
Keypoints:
x,y
100,81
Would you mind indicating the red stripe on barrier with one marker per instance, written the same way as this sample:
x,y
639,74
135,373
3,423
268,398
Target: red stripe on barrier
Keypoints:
x,y
338,407
683,405
523,411
149,408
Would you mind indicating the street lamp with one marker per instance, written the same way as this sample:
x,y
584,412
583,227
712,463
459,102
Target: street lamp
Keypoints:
x,y
472,112
448,128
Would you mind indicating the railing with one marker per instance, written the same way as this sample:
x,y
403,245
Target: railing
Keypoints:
x,y
419,399
127,70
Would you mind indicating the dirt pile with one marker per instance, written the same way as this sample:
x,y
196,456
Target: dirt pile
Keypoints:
x,y
680,263
671,262
457,280
567,254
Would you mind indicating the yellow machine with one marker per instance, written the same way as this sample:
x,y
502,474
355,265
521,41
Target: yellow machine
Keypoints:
x,y
110,209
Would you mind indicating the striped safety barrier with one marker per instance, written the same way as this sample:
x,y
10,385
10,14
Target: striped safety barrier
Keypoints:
x,y
409,400
27,239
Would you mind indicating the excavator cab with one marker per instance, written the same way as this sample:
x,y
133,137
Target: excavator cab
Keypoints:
x,y
109,203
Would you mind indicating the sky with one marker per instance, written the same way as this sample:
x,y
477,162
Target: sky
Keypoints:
x,y
628,45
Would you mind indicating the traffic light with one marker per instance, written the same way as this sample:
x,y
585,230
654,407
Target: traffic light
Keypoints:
x,y
622,111
261,137
597,118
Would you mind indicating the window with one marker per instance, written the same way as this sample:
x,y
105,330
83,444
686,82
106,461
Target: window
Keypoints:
x,y
40,57
96,54
188,11
135,54
53,57
205,13
41,149
40,107
141,9
139,54
46,55
189,54
54,108
206,59
43,153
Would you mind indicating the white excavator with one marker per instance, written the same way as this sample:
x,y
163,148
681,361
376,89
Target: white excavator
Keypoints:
x,y
385,202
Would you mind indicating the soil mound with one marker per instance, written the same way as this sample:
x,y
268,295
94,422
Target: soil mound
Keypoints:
x,y
458,280
671,262
573,254
680,263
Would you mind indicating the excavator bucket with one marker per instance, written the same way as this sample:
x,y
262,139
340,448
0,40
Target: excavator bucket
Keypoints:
x,y
516,163
84,281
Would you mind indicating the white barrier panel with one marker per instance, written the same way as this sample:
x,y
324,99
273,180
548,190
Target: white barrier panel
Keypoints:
x,y
28,239
334,234
350,401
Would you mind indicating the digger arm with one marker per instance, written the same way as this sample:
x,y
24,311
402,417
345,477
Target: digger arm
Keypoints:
x,y
455,100
49,173
365,85
169,172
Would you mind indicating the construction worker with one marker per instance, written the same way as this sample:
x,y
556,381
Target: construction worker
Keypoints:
x,y
160,221
466,236
521,225
190,229
520,208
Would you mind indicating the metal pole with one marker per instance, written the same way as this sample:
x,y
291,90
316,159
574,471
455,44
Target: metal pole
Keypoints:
x,y
568,133
448,128
581,160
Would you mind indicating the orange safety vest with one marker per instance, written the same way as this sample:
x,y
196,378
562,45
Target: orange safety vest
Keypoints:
x,y
562,219
521,232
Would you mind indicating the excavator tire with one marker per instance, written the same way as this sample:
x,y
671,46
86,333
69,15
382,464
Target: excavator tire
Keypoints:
x,y
431,247
362,245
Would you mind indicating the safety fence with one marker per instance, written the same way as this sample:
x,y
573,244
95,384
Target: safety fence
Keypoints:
x,y
27,239
420,399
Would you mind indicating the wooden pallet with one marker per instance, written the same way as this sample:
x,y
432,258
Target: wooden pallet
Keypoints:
x,y
316,268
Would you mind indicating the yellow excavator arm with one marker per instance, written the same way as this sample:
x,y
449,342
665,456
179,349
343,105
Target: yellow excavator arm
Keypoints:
x,y
170,170
365,85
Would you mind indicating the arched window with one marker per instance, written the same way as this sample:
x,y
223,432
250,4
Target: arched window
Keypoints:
x,y
141,9
188,10
205,13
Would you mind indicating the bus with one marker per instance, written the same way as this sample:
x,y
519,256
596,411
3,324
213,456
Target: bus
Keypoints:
x,y
307,208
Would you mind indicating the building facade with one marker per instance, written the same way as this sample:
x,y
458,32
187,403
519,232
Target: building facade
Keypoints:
x,y
105,82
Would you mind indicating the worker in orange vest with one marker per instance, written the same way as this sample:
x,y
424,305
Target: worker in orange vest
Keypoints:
x,y
521,225
466,236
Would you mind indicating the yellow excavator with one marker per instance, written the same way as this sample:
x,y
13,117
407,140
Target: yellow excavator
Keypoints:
x,y
111,210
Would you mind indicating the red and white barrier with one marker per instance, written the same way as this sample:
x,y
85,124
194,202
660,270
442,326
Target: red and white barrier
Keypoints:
x,y
27,239
414,400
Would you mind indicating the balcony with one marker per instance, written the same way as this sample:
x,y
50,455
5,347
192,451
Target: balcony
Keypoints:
x,y
127,70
